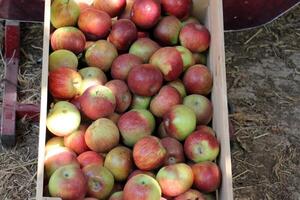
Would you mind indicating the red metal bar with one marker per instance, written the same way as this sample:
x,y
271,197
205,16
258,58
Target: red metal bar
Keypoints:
x,y
11,58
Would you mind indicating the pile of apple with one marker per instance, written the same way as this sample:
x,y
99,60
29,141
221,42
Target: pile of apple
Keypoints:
x,y
130,102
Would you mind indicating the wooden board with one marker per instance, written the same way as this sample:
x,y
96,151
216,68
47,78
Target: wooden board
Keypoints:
x,y
210,13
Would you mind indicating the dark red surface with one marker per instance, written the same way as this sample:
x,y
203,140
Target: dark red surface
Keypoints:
x,y
30,111
239,14
23,10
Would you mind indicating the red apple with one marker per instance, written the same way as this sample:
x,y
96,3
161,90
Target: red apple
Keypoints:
x,y
169,61
142,34
102,135
62,58
64,13
144,80
100,181
123,64
119,162
149,153
97,101
195,37
206,129
63,111
190,20
76,102
179,8
90,157
191,195
140,102
178,85
145,13
136,124
202,107
101,55
58,157
166,98
94,23
180,122
201,146
91,76
116,196
174,151
167,30
207,176
54,142
123,34
137,171
75,141
69,38
144,48
198,80
68,182
64,83
175,179
141,187
122,94
113,8
187,57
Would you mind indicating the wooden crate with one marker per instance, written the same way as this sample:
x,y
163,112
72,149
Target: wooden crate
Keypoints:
x,y
210,12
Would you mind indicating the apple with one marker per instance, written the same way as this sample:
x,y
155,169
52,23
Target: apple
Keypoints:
x,y
75,141
169,61
83,4
140,102
94,23
123,64
201,146
206,129
174,151
90,157
143,34
97,101
191,194
100,181
175,179
198,80
200,58
138,171
144,48
119,162
140,187
76,102
66,112
166,98
122,94
123,34
144,80
126,14
190,20
179,86
187,57
69,38
64,83
145,13
62,58
149,153
64,13
136,124
162,133
113,8
207,176
88,44
68,182
91,76
202,107
101,55
54,142
102,135
58,157
179,8
116,196
114,117
195,37
167,30
180,122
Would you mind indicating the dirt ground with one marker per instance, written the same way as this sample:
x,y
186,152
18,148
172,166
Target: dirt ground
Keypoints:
x,y
263,72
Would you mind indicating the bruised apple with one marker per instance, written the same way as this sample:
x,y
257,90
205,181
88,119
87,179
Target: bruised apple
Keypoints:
x,y
91,76
66,112
174,149
113,8
75,141
149,153
62,58
64,13
90,157
64,83
102,135
144,48
140,187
